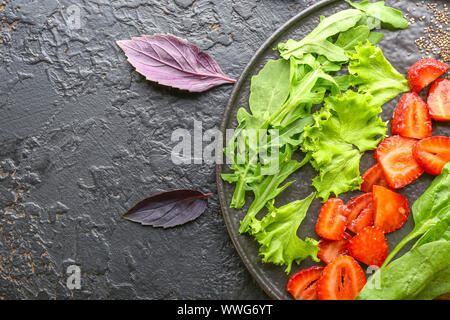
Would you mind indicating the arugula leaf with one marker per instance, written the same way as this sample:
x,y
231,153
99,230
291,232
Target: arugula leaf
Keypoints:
x,y
422,273
344,128
277,234
317,41
373,73
387,15
269,89
269,187
431,214
304,90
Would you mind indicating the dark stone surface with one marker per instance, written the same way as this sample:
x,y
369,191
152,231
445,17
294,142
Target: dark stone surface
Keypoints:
x,y
83,137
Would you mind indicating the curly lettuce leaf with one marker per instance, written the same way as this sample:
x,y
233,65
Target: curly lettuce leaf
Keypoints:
x,y
344,129
390,17
277,234
372,73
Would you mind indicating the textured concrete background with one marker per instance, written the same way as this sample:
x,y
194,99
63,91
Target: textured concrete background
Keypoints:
x,y
83,137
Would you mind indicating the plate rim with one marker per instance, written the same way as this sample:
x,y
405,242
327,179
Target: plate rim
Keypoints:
x,y
262,282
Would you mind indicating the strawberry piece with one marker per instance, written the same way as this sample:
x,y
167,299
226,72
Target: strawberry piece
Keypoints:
x,y
411,118
373,176
332,220
302,285
331,249
424,72
361,212
369,246
439,100
396,158
432,154
391,209
342,279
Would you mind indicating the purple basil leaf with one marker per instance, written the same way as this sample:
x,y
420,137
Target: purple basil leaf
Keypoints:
x,y
174,62
169,209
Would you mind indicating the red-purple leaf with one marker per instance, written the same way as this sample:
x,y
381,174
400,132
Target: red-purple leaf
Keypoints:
x,y
169,209
174,62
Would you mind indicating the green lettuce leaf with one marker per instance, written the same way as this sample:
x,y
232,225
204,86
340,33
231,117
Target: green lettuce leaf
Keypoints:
x,y
344,128
372,73
422,273
317,41
277,234
391,17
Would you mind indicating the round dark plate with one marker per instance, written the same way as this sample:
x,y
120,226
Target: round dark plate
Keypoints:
x,y
400,49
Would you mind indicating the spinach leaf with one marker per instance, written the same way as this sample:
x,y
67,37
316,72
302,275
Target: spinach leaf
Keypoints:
x,y
422,273
387,15
431,214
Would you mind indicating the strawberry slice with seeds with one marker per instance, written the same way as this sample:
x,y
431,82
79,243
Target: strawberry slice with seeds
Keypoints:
x,y
332,219
361,212
373,176
432,154
331,249
302,285
342,279
391,209
439,100
369,246
396,158
424,72
411,118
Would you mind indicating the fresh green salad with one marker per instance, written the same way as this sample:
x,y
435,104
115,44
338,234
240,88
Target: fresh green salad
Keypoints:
x,y
321,102
334,138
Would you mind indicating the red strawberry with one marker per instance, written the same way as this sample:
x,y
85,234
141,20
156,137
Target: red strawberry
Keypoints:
x,y
342,279
330,249
361,212
439,100
302,285
332,220
432,154
391,209
411,118
424,72
373,176
369,246
396,158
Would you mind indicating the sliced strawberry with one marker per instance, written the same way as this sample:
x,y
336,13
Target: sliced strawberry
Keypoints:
x,y
373,176
302,285
342,279
332,220
331,249
396,158
439,100
391,209
432,154
361,212
411,118
424,72
369,246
